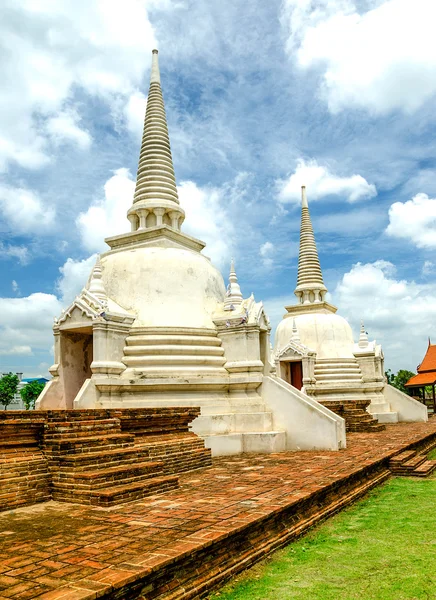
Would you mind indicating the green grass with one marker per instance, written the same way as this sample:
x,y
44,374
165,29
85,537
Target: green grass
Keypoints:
x,y
383,547
432,455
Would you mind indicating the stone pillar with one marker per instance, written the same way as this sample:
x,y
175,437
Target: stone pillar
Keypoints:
x,y
174,216
133,222
143,218
54,369
159,212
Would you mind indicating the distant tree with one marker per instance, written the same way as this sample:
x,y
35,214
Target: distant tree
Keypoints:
x,y
30,392
389,376
401,378
8,389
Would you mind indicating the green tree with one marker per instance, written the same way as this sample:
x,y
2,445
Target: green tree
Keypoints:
x,y
8,389
389,376
30,392
400,379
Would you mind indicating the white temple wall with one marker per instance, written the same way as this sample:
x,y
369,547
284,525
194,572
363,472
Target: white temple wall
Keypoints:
x,y
241,348
408,408
308,424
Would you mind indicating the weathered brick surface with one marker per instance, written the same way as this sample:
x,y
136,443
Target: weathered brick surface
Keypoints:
x,y
414,462
98,457
24,475
189,541
357,419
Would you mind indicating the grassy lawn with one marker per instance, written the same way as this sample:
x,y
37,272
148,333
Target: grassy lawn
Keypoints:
x,y
432,455
383,547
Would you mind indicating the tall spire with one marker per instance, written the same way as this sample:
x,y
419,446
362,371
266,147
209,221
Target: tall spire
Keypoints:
x,y
233,295
156,201
310,285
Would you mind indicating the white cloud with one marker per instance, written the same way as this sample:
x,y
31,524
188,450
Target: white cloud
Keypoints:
x,y
379,56
64,128
26,323
266,251
401,314
52,48
134,113
428,267
107,217
321,182
24,209
15,286
21,253
207,219
414,220
74,275
17,350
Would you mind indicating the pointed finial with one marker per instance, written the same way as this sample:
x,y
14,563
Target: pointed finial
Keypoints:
x,y
233,295
155,74
96,286
363,337
304,197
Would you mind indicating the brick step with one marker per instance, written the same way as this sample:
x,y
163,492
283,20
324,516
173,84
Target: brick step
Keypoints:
x,y
79,487
102,460
414,462
10,501
425,469
25,482
402,457
407,467
81,429
186,461
360,419
126,493
107,477
11,458
91,442
119,494
21,441
364,428
24,469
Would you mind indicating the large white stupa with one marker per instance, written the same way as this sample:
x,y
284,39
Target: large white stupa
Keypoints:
x,y
155,326
315,351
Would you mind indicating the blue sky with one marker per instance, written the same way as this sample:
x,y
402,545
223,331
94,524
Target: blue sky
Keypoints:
x,y
261,97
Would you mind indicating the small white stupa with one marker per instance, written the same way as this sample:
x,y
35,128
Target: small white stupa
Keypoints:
x,y
154,326
315,351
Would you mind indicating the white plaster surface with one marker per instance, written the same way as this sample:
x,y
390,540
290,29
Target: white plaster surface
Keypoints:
x,y
308,424
408,408
164,287
328,334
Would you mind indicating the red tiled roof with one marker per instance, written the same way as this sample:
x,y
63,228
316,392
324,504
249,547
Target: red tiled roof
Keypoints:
x,y
429,362
422,379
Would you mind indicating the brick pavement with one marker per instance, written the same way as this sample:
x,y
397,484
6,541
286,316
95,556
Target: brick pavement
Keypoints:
x,y
183,543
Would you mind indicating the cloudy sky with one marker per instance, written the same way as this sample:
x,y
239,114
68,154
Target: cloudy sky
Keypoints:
x,y
261,97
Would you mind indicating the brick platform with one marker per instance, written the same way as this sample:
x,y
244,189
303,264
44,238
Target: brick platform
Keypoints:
x,y
184,543
97,457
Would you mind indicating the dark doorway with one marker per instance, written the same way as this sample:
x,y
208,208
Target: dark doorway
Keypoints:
x,y
292,372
